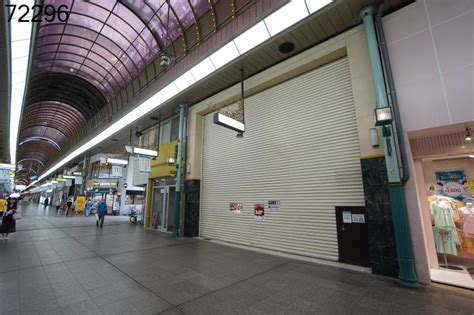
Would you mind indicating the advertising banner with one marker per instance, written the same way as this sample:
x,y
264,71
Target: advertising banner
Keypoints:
x,y
259,211
274,205
144,164
235,207
80,203
452,184
4,175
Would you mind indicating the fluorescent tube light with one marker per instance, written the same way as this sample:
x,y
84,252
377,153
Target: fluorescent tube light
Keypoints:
x,y
224,55
228,122
170,90
145,152
316,5
288,15
117,161
202,69
252,37
69,177
20,41
185,81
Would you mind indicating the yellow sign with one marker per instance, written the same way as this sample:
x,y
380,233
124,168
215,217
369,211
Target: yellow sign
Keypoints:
x,y
471,185
60,179
80,203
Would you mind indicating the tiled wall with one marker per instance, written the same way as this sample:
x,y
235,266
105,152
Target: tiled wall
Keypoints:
x,y
431,47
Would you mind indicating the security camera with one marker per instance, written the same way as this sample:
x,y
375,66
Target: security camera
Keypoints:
x,y
165,60
138,134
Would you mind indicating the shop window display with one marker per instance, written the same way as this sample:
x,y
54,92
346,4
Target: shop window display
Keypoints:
x,y
450,200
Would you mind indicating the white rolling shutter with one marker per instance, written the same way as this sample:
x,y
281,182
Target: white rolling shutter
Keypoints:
x,y
301,147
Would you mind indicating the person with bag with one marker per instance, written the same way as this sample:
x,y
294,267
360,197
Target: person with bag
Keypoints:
x,y
9,218
101,210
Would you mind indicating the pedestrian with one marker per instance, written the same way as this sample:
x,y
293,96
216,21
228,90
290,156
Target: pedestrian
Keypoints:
x,y
58,205
69,205
8,220
101,210
88,207
46,202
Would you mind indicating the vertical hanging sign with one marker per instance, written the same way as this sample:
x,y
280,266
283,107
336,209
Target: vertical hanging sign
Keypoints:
x,y
144,164
116,171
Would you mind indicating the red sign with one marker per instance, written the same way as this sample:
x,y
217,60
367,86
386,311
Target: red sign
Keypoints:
x,y
259,211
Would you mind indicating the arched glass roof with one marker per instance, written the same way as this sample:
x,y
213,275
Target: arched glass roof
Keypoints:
x,y
108,43
80,64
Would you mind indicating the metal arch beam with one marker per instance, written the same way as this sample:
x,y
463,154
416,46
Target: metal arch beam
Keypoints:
x,y
157,39
98,44
46,115
83,96
78,55
40,138
58,132
68,132
198,26
185,48
104,88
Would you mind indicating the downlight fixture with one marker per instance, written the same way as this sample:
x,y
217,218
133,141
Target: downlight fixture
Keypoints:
x,y
468,135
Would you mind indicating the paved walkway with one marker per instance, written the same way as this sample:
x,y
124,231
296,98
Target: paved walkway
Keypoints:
x,y
59,265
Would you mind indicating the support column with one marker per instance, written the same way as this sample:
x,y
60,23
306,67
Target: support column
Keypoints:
x,y
179,169
406,263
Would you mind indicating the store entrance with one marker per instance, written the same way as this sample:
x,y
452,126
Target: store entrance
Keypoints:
x,y
163,205
444,175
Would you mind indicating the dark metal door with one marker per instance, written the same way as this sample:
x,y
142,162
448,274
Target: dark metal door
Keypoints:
x,y
352,236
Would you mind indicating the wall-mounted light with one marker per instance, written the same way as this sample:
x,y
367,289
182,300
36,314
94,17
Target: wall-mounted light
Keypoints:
x,y
471,155
383,116
468,136
117,161
228,122
145,152
171,160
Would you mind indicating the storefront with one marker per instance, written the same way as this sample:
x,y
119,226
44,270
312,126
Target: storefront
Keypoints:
x,y
444,164
98,189
300,181
161,195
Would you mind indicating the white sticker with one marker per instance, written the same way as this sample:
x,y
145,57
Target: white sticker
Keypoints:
x,y
358,218
274,205
346,217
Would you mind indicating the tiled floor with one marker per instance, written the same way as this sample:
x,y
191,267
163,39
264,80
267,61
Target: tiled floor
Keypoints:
x,y
59,265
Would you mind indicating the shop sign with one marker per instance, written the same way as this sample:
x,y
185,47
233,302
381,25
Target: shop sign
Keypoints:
x,y
68,182
452,189
80,203
358,218
78,180
144,164
235,207
116,171
259,211
471,186
4,175
274,205
346,217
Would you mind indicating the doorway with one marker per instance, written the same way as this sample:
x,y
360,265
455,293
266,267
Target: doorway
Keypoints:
x,y
352,236
162,207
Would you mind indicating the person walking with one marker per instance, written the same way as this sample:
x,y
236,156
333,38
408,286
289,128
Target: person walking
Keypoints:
x,y
101,210
46,202
8,220
88,207
58,205
69,206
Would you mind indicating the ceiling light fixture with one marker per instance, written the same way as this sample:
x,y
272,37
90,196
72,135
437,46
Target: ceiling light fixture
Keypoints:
x,y
20,40
468,136
117,161
288,15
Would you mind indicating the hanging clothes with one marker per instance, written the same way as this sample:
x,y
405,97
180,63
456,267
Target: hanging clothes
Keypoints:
x,y
444,229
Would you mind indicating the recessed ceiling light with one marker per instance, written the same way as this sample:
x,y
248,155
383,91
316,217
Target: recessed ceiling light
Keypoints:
x,y
468,135
154,118
115,140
